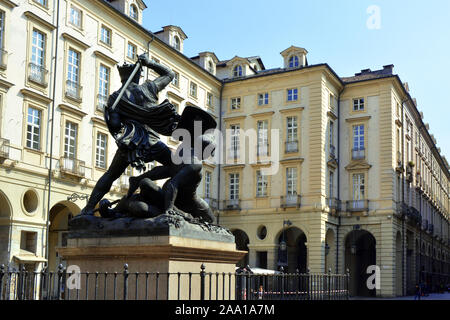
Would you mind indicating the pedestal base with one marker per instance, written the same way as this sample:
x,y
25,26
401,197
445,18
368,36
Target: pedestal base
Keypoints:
x,y
159,266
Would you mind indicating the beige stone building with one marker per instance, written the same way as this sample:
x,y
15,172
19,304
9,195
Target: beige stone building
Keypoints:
x,y
359,179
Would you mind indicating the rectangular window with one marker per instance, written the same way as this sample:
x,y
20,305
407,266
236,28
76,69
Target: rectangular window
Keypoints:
x,y
103,86
42,2
234,186
34,129
292,94
73,74
235,103
358,186
2,32
70,140
176,80
261,184
263,138
358,104
105,35
37,64
358,142
131,51
291,185
75,17
234,151
331,184
263,99
209,99
100,151
291,134
193,90
207,184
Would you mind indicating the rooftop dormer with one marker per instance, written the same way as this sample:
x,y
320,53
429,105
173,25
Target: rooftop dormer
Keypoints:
x,y
207,60
174,36
239,67
131,8
294,57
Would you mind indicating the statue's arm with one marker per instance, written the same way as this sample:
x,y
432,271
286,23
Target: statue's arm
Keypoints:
x,y
165,74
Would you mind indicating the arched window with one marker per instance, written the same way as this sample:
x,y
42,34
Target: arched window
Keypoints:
x,y
176,43
293,62
237,71
133,12
210,67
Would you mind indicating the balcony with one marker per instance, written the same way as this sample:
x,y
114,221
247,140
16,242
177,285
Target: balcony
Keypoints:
x,y
430,229
358,154
332,151
3,58
38,74
424,224
212,203
334,205
73,90
290,201
357,205
291,146
4,149
414,216
73,167
232,204
401,210
101,102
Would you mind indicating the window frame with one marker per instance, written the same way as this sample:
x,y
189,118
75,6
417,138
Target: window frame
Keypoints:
x,y
361,106
193,89
99,148
290,97
235,103
31,146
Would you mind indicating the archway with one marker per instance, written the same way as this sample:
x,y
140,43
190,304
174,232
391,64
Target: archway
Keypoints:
x,y
242,241
330,251
60,214
398,265
295,257
5,214
360,253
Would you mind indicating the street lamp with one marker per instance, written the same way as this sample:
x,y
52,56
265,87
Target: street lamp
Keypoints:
x,y
327,249
282,254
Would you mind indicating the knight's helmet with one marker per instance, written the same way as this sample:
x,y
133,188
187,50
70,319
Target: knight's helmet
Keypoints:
x,y
125,71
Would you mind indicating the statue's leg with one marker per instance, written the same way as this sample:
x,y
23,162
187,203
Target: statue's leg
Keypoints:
x,y
162,154
201,209
115,170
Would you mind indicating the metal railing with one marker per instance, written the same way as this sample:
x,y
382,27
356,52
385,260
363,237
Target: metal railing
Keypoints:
x,y
73,90
3,58
72,166
334,204
290,200
37,74
291,146
357,205
232,204
126,285
101,102
358,154
4,148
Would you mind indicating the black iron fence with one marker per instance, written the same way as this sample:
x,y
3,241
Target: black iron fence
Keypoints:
x,y
125,285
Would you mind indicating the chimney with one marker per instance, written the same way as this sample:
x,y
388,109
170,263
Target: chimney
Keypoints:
x,y
388,68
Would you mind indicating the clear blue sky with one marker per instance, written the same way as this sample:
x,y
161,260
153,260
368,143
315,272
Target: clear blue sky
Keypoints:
x,y
414,35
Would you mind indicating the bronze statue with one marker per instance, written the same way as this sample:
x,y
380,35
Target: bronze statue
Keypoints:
x,y
134,118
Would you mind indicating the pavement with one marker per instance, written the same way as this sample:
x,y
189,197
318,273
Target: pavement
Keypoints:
x,y
431,296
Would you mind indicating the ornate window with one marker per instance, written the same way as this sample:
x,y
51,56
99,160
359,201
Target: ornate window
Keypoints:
x,y
176,43
134,12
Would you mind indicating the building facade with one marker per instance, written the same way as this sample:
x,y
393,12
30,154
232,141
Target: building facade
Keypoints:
x,y
357,180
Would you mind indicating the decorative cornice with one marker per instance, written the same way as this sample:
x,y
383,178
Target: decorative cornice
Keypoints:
x,y
235,118
5,85
358,165
332,115
103,56
97,120
262,114
32,16
175,96
10,3
72,110
75,40
285,110
358,119
233,166
290,160
36,96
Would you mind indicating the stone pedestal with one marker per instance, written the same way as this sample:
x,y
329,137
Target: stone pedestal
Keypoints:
x,y
167,253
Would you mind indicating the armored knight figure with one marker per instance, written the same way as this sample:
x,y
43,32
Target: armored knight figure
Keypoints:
x,y
135,122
